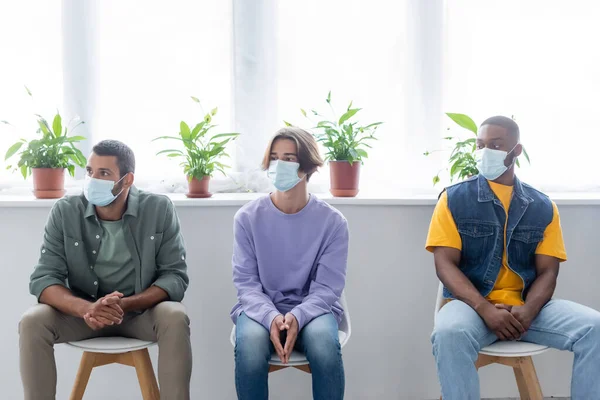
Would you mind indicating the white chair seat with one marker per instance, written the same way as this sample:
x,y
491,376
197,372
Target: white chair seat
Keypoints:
x,y
111,345
513,349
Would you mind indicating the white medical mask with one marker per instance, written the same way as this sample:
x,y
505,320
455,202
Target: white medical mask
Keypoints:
x,y
284,174
99,191
490,162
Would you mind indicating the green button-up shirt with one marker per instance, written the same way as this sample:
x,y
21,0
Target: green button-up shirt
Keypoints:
x,y
73,236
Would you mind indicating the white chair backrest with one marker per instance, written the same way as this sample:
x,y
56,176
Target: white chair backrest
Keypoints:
x,y
345,324
439,302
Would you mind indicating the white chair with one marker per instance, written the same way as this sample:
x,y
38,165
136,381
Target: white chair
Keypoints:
x,y
515,354
297,359
108,350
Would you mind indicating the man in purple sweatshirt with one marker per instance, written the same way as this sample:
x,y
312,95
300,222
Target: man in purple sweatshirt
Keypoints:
x,y
289,268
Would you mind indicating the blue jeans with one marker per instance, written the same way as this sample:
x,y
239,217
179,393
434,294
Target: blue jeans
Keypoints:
x,y
460,333
318,340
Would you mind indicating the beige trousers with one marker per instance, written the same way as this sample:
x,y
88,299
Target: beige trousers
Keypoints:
x,y
43,326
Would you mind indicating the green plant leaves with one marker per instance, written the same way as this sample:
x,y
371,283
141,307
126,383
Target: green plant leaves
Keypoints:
x,y
464,121
200,156
184,130
347,115
343,140
57,125
12,150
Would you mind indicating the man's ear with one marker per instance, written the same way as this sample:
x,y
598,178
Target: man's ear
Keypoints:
x,y
518,150
128,180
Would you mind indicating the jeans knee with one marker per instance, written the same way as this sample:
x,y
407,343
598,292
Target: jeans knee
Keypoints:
x,y
451,338
323,348
252,350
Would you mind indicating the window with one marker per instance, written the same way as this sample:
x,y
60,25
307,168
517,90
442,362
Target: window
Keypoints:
x,y
536,60
151,57
130,68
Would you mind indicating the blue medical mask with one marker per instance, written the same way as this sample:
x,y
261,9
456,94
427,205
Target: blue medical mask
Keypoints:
x,y
99,191
284,174
490,162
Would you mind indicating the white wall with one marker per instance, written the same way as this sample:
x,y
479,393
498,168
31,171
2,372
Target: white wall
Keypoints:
x,y
391,293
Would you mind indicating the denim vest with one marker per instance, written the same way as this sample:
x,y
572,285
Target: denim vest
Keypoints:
x,y
480,219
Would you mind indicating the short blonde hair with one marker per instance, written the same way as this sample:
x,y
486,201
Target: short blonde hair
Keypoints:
x,y
307,149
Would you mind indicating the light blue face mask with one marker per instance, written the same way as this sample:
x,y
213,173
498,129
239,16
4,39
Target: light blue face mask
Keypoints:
x,y
99,191
490,162
284,174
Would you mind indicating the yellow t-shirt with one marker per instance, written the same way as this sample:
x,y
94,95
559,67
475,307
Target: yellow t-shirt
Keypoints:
x,y
509,285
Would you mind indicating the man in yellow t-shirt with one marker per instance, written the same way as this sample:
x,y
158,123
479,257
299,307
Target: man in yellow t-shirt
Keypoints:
x,y
497,245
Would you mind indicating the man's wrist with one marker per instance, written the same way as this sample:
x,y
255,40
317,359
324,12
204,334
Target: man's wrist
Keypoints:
x,y
482,307
82,308
125,304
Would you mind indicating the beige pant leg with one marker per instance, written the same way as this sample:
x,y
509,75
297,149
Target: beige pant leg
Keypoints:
x,y
40,328
168,324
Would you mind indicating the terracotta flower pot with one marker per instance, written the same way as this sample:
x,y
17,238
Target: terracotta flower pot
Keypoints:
x,y
198,188
48,183
344,178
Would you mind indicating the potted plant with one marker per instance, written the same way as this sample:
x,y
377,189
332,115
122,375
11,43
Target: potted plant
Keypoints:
x,y
47,158
345,142
201,153
462,162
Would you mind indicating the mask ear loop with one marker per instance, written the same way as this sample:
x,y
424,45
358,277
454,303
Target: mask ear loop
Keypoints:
x,y
514,158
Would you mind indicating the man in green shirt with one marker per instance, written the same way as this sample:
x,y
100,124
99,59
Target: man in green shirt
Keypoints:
x,y
112,264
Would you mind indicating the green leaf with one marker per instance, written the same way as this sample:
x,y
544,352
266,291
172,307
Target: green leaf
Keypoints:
x,y
57,125
213,112
362,153
170,151
220,135
24,171
28,91
464,121
349,106
526,155
71,169
328,97
303,112
44,127
74,139
372,125
287,123
12,150
436,180
184,130
197,129
347,115
195,99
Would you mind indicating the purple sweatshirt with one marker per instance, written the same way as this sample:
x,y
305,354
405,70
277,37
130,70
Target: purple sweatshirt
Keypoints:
x,y
289,262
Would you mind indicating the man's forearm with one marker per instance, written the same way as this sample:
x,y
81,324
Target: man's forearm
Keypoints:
x,y
145,300
63,300
446,266
461,287
541,291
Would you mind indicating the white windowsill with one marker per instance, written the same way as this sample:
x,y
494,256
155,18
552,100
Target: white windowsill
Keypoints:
x,y
239,199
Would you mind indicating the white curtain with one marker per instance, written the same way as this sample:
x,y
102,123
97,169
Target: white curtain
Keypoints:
x,y
539,61
30,54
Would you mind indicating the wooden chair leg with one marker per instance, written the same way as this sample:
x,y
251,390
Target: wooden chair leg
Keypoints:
x,y
527,379
145,374
86,365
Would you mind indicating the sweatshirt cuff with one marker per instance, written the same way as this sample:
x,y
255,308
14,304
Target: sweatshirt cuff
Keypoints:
x,y
268,319
297,312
